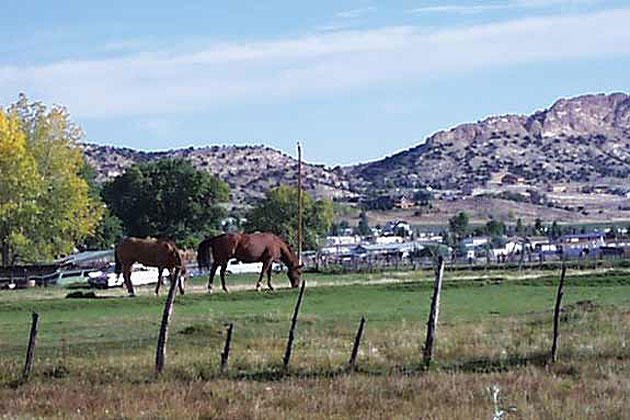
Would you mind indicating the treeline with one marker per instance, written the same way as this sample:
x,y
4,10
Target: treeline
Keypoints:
x,y
50,204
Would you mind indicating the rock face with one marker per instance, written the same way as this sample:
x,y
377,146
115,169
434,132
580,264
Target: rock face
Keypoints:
x,y
249,170
583,139
580,140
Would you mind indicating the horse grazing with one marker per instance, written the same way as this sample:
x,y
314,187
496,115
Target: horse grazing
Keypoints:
x,y
160,253
247,248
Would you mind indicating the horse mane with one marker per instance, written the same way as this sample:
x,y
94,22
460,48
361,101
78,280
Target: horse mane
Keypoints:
x,y
288,255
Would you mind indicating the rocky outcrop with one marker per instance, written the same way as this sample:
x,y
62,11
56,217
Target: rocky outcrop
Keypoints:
x,y
249,170
579,140
583,139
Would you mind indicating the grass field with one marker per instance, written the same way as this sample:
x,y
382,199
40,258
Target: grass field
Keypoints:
x,y
95,357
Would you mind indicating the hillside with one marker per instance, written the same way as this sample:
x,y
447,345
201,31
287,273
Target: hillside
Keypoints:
x,y
580,140
249,170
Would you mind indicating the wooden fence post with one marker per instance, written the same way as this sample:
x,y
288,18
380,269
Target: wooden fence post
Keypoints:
x,y
31,347
556,316
433,314
225,355
357,341
287,353
160,355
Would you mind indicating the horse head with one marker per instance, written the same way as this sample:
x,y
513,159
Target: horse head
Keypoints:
x,y
294,274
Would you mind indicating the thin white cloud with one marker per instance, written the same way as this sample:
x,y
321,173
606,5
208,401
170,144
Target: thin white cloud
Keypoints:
x,y
355,13
469,9
324,64
459,9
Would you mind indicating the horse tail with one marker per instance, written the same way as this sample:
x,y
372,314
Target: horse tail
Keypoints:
x,y
117,264
203,254
178,257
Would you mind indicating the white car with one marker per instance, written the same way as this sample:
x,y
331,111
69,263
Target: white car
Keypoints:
x,y
140,275
237,267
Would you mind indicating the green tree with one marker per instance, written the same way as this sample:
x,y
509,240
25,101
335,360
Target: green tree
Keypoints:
x,y
495,228
45,204
363,228
109,230
106,235
458,225
423,197
538,226
168,197
278,213
338,229
555,231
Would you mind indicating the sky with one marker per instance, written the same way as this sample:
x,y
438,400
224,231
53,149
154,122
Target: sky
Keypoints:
x,y
353,81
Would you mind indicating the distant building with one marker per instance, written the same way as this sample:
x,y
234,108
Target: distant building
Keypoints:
x,y
396,228
473,247
511,179
556,188
582,243
405,203
601,189
399,250
342,240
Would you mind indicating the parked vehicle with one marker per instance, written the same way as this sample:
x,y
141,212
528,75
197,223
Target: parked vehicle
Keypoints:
x,y
140,275
238,267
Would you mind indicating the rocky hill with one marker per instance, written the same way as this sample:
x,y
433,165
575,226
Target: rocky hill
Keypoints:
x,y
583,140
580,140
249,170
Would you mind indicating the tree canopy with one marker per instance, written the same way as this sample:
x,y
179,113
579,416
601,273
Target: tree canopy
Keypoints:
x,y
363,227
278,213
167,198
458,225
45,204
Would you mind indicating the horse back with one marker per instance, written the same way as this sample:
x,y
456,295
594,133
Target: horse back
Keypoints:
x,y
224,246
150,252
259,247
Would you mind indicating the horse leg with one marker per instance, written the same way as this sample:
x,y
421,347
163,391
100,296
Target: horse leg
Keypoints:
x,y
159,282
265,267
269,276
223,269
213,271
127,278
181,279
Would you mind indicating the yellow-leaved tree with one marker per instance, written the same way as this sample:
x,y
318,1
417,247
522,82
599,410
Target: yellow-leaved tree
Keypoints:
x,y
46,207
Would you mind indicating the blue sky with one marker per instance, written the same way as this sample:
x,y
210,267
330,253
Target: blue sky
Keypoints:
x,y
352,80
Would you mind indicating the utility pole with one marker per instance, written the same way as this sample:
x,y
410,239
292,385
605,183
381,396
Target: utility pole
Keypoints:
x,y
300,204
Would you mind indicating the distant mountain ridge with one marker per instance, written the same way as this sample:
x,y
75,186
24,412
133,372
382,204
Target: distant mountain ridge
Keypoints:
x,y
249,170
581,140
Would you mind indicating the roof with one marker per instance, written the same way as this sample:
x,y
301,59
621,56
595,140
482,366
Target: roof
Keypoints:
x,y
87,257
589,235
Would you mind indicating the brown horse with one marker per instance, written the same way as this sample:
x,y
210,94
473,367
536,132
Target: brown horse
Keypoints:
x,y
183,273
247,248
161,253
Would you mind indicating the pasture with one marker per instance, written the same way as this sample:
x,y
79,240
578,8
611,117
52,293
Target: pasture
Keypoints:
x,y
95,357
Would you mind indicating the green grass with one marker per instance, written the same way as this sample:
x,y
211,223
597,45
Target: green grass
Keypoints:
x,y
112,321
494,327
